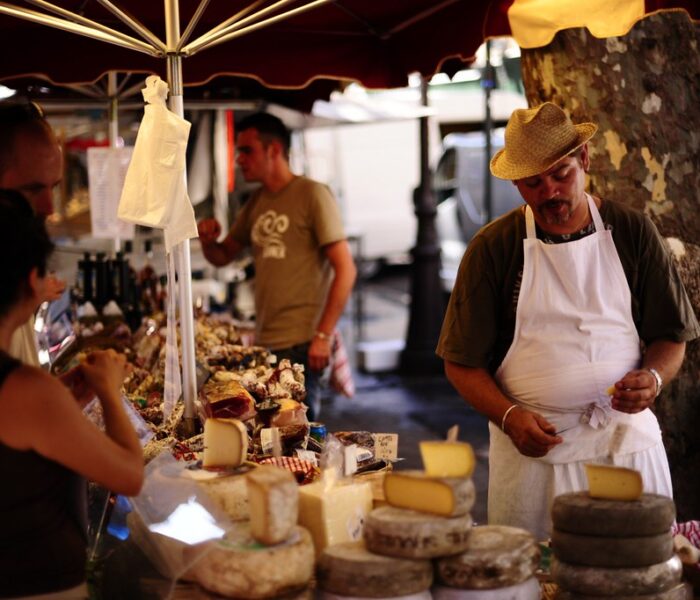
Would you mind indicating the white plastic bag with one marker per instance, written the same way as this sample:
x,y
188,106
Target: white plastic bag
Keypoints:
x,y
155,192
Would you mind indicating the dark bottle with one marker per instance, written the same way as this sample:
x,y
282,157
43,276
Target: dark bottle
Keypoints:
x,y
85,279
101,281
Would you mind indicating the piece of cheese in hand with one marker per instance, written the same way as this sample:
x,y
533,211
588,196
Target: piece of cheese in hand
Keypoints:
x,y
273,500
225,443
444,496
611,390
613,483
447,459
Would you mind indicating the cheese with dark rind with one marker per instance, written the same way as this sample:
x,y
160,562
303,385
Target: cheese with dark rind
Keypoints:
x,y
525,590
350,569
597,551
681,591
443,496
406,533
497,556
239,567
617,581
577,512
273,496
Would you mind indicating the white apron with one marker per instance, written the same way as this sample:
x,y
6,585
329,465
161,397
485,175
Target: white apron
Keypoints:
x,y
574,337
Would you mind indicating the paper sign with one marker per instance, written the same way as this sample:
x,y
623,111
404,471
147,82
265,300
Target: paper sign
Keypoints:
x,y
350,460
453,433
106,172
270,441
386,446
307,455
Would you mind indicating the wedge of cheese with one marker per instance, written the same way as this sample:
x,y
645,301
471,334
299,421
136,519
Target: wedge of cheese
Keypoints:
x,y
613,483
225,443
447,459
443,496
273,499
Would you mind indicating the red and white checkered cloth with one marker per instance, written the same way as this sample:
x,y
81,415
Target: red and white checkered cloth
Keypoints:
x,y
341,374
690,530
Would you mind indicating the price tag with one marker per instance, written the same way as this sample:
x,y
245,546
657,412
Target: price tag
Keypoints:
x,y
349,460
270,441
386,446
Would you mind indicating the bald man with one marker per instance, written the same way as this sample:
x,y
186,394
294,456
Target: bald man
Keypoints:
x,y
31,163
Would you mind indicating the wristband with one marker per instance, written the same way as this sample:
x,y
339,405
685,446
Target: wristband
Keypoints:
x,y
657,377
505,416
323,336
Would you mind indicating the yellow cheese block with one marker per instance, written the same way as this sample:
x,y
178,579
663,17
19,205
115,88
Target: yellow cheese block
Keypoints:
x,y
613,483
225,443
611,390
447,459
444,496
334,514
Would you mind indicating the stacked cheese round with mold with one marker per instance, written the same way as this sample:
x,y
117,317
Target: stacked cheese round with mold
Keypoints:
x,y
615,547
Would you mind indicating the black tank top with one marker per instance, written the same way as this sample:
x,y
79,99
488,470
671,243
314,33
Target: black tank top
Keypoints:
x,y
42,547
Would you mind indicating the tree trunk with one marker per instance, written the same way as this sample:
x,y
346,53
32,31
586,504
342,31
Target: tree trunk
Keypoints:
x,y
643,91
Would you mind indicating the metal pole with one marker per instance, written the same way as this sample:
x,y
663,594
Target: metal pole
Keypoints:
x,y
488,82
427,304
182,250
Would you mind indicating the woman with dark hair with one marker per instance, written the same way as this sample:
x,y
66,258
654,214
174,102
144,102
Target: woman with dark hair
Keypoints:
x,y
45,440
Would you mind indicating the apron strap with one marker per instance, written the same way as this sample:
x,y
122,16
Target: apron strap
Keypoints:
x,y
530,219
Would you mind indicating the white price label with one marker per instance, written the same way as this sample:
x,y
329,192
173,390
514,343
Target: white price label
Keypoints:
x,y
386,446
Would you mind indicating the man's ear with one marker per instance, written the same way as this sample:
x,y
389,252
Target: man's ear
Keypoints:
x,y
585,157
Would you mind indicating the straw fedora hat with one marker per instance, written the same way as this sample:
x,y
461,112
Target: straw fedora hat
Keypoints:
x,y
536,139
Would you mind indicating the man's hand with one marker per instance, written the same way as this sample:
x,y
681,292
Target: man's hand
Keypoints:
x,y
530,432
209,231
634,392
319,353
53,288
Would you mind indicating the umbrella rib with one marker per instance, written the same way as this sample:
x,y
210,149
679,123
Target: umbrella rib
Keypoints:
x,y
192,24
223,36
366,24
101,33
137,26
420,16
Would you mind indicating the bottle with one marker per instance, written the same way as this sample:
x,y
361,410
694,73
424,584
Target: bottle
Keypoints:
x,y
101,281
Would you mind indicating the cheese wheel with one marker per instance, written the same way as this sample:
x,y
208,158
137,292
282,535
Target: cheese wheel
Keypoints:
x,y
239,567
597,551
273,495
681,591
230,493
617,581
444,496
577,512
405,533
350,569
496,557
525,590
331,596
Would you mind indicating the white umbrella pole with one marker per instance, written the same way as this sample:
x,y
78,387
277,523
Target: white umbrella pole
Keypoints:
x,y
182,250
113,125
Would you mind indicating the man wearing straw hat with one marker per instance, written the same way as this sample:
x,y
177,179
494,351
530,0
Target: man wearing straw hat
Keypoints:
x,y
566,319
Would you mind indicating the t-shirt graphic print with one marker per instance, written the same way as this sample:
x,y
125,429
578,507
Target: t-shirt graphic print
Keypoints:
x,y
267,234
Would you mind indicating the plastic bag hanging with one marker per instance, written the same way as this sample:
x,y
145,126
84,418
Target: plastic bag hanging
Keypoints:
x,y
155,191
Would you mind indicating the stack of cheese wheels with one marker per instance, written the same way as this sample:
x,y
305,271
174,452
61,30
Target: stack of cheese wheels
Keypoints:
x,y
269,556
615,541
498,564
426,516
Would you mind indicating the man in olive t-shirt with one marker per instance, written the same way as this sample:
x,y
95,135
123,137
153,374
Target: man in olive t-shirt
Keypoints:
x,y
303,265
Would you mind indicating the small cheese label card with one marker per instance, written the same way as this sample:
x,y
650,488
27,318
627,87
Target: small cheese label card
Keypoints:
x,y
270,441
453,433
386,446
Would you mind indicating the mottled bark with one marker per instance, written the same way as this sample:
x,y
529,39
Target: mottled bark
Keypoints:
x,y
643,91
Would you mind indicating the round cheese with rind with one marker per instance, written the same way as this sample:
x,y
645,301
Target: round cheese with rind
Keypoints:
x,y
577,512
497,556
443,496
525,590
349,569
239,567
617,581
405,533
230,493
597,551
426,595
682,591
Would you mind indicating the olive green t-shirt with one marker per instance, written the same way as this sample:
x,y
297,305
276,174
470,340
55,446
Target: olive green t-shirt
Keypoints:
x,y
287,231
480,319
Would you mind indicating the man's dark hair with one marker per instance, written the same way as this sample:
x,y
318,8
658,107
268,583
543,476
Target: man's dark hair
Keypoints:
x,y
15,117
269,128
24,243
